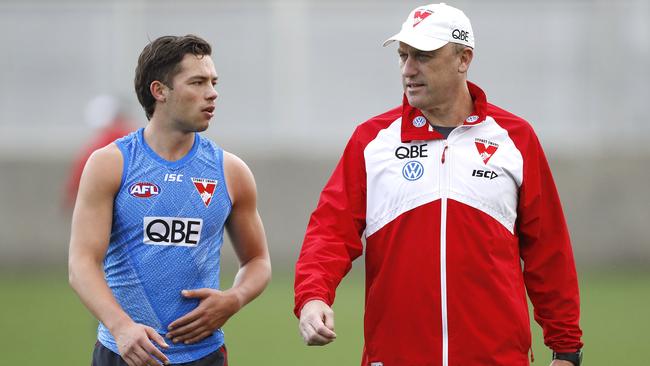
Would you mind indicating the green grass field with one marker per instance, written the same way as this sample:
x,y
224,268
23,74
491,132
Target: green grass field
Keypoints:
x,y
43,323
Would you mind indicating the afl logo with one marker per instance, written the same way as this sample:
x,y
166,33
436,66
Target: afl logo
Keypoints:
x,y
419,121
413,170
143,190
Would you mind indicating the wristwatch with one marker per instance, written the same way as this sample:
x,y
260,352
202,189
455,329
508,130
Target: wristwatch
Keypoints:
x,y
573,357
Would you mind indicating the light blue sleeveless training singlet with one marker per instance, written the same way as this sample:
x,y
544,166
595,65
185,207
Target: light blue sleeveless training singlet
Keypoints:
x,y
168,221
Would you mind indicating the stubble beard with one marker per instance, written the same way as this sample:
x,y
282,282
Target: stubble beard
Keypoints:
x,y
189,127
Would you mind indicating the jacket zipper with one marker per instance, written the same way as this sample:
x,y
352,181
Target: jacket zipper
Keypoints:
x,y
442,160
444,184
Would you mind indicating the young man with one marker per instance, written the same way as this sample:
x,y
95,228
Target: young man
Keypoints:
x,y
451,193
148,224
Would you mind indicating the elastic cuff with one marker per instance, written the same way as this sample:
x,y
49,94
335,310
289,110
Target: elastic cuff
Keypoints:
x,y
298,311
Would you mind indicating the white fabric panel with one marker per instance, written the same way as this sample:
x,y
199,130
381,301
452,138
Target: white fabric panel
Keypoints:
x,y
497,197
391,193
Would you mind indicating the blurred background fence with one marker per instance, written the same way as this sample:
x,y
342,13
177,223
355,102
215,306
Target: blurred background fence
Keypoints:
x,y
296,77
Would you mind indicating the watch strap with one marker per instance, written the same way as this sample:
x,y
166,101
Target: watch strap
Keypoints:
x,y
573,357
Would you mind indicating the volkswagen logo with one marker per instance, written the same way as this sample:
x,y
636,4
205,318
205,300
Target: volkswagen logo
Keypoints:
x,y
413,170
472,119
419,121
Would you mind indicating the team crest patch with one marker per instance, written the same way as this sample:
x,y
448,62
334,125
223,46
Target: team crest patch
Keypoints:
x,y
206,188
144,190
420,15
485,149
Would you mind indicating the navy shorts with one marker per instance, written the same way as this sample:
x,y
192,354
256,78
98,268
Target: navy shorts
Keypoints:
x,y
103,356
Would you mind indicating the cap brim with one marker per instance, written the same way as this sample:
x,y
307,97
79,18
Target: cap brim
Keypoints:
x,y
422,43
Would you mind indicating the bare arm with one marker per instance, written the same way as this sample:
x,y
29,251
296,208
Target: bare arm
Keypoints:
x,y
90,233
246,232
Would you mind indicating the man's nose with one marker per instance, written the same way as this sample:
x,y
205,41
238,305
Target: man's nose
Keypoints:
x,y
409,67
212,94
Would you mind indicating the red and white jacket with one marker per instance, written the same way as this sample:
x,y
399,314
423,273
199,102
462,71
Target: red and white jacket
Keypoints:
x,y
457,230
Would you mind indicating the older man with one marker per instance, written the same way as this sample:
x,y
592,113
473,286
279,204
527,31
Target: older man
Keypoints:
x,y
451,193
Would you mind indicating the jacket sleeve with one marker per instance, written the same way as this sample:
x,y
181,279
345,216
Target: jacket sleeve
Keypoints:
x,y
545,247
333,237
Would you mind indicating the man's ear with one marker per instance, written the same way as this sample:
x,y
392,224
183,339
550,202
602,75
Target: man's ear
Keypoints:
x,y
159,91
466,56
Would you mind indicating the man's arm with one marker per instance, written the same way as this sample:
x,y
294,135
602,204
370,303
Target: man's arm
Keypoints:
x,y
90,233
246,232
549,268
331,243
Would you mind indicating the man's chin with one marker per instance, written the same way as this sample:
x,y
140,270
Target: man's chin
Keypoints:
x,y
201,125
414,102
202,128
196,127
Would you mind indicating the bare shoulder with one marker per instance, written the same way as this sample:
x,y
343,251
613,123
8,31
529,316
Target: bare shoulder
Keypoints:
x,y
239,178
103,169
91,220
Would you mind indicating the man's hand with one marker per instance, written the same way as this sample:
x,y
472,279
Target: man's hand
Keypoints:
x,y
561,363
215,308
135,346
317,323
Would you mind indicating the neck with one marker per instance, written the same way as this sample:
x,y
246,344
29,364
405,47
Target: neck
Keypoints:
x,y
453,111
169,143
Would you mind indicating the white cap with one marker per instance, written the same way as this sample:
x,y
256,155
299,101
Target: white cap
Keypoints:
x,y
430,27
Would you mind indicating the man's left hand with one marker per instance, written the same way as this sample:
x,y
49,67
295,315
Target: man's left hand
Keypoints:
x,y
561,363
215,308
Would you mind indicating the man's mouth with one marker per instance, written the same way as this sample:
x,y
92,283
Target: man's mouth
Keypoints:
x,y
413,85
208,111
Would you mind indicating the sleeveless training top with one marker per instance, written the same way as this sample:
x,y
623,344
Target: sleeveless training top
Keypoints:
x,y
168,221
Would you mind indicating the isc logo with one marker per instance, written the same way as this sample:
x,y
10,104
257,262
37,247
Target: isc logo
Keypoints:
x,y
487,174
143,189
170,177
178,231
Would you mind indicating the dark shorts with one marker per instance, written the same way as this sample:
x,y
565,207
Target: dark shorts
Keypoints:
x,y
103,356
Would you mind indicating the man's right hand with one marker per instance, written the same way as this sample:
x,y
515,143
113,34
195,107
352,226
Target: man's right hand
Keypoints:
x,y
135,346
317,323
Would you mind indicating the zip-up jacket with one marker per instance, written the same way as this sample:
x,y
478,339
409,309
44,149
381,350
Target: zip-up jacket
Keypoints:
x,y
457,231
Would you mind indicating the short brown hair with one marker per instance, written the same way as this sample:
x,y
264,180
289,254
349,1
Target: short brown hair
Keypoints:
x,y
160,60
